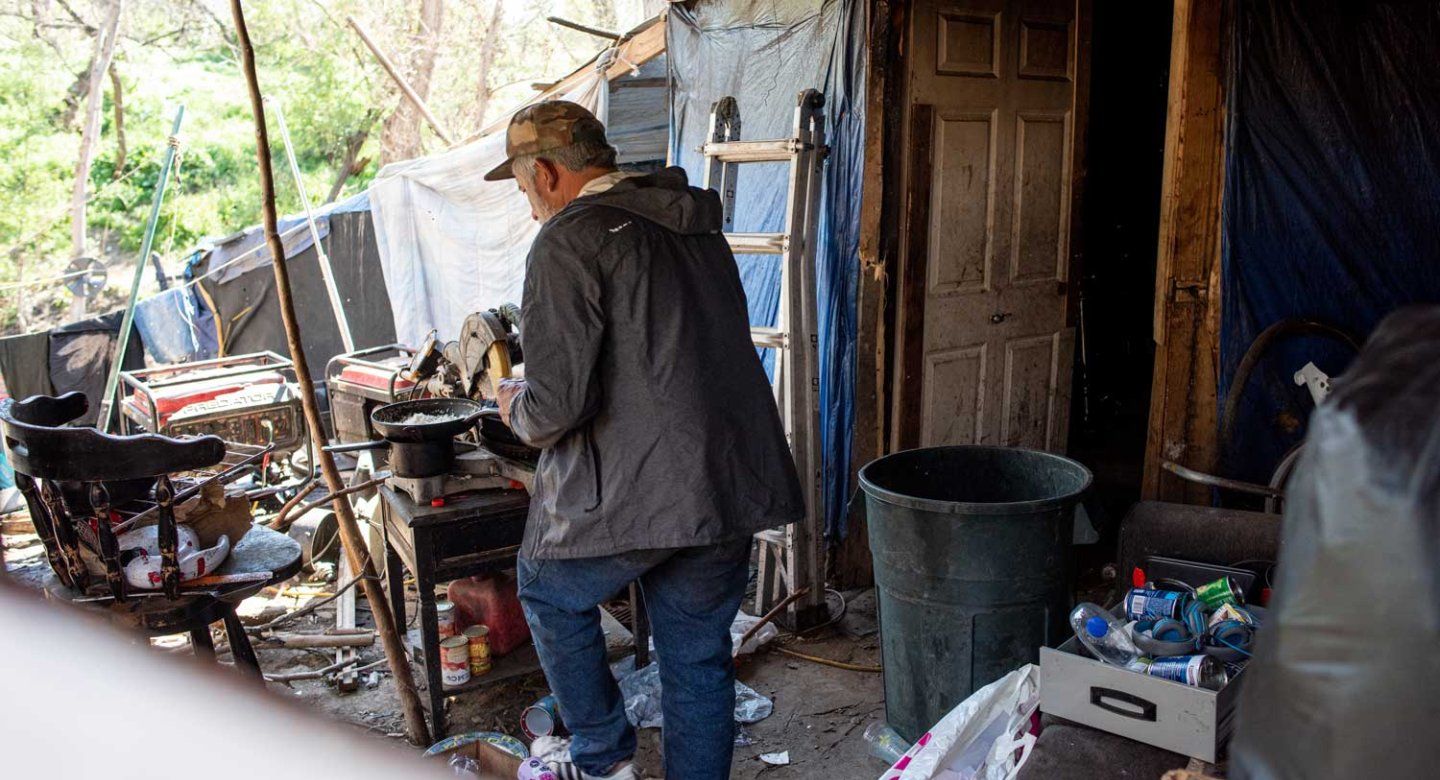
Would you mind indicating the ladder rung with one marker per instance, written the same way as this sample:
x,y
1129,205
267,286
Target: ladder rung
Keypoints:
x,y
758,243
751,151
768,338
772,536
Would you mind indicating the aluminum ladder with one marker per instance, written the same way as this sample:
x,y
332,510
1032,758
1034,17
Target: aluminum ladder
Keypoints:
x,y
791,558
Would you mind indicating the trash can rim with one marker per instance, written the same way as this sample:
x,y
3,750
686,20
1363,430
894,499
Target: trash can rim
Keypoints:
x,y
973,507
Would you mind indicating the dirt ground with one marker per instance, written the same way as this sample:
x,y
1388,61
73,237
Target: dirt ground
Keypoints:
x,y
820,712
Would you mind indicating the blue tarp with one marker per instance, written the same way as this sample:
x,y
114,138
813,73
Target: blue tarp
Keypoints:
x,y
764,55
1332,194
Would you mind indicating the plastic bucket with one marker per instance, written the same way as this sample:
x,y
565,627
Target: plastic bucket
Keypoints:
x,y
972,569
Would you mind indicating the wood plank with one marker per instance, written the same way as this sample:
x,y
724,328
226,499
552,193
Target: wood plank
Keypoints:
x,y
911,348
851,563
647,43
1187,300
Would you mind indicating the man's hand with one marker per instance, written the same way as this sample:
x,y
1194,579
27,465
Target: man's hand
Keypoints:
x,y
509,388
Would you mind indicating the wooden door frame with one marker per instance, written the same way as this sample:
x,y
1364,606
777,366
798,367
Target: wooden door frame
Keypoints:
x,y
883,210
1183,397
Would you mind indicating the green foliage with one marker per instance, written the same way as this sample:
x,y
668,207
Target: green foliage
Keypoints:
x,y
181,51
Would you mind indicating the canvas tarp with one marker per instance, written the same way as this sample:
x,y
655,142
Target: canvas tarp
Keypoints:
x,y
764,55
450,242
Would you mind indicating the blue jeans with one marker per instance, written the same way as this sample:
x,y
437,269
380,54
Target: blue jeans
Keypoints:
x,y
692,595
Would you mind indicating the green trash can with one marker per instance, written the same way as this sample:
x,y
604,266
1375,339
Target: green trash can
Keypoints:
x,y
972,569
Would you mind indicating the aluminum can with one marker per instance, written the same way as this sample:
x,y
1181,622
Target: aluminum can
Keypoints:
x,y
1153,604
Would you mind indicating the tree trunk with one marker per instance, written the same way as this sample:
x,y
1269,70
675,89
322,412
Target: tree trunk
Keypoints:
x,y
349,166
400,138
117,96
104,51
488,46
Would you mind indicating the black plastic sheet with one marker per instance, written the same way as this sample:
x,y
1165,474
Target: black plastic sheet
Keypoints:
x,y
1332,195
1346,677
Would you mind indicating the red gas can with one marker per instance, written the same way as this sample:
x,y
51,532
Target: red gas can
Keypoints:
x,y
491,601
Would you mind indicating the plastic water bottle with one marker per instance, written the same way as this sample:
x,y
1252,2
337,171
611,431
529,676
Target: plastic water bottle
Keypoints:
x,y
1104,635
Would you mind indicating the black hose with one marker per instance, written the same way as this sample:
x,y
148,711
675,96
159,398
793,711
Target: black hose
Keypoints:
x,y
1292,327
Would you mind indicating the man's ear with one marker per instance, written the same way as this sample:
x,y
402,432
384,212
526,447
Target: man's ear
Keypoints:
x,y
547,176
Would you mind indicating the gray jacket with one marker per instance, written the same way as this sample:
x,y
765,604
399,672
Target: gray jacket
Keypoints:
x,y
658,425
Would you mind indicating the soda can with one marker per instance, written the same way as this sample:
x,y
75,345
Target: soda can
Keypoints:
x,y
1201,671
1152,604
1220,592
1231,612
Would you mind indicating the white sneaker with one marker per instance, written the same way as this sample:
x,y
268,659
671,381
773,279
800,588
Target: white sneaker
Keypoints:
x,y
555,752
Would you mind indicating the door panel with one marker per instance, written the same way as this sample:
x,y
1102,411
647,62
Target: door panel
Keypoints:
x,y
986,351
963,204
954,396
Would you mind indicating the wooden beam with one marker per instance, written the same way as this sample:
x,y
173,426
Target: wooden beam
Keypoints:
x,y
851,563
644,44
1187,296
399,80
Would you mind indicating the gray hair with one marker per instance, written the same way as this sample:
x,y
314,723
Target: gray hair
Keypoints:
x,y
576,157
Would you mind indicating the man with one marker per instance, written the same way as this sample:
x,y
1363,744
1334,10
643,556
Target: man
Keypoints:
x,y
663,450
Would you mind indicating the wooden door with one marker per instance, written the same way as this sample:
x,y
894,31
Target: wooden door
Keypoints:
x,y
985,348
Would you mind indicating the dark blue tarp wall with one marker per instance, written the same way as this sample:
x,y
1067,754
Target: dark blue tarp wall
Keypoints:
x,y
1332,193
764,55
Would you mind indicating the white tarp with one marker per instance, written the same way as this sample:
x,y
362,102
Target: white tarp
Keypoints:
x,y
450,242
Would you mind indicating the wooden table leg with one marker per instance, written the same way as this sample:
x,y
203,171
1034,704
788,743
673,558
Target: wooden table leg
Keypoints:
x,y
395,585
202,643
430,632
245,659
639,626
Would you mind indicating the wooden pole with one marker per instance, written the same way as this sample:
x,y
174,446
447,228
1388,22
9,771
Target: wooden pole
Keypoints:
x,y
350,537
400,81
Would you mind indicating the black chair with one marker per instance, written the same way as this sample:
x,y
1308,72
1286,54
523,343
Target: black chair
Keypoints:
x,y
72,477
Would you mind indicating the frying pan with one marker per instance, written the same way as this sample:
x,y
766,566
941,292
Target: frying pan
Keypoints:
x,y
389,420
419,450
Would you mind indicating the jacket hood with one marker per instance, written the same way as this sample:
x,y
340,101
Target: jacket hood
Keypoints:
x,y
665,198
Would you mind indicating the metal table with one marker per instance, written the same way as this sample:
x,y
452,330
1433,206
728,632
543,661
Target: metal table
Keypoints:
x,y
469,535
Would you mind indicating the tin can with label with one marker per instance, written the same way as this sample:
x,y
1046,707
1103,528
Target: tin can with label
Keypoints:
x,y
454,661
445,618
1220,592
1152,604
479,639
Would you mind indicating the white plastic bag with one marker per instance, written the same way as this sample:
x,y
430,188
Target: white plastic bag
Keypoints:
x,y
986,737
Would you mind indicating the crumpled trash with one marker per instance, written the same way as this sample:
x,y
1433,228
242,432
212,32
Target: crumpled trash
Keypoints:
x,y
776,759
743,623
641,691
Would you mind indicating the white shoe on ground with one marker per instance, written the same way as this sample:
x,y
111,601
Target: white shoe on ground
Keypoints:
x,y
555,752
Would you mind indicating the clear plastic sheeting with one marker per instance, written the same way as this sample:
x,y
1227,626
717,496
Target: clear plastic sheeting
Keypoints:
x,y
764,54
1332,194
1346,671
641,691
450,242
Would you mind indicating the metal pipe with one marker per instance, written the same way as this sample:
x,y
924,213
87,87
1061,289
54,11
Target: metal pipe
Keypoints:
x,y
107,402
326,271
1200,477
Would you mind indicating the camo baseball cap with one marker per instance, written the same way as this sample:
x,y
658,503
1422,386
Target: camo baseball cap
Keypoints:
x,y
545,126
